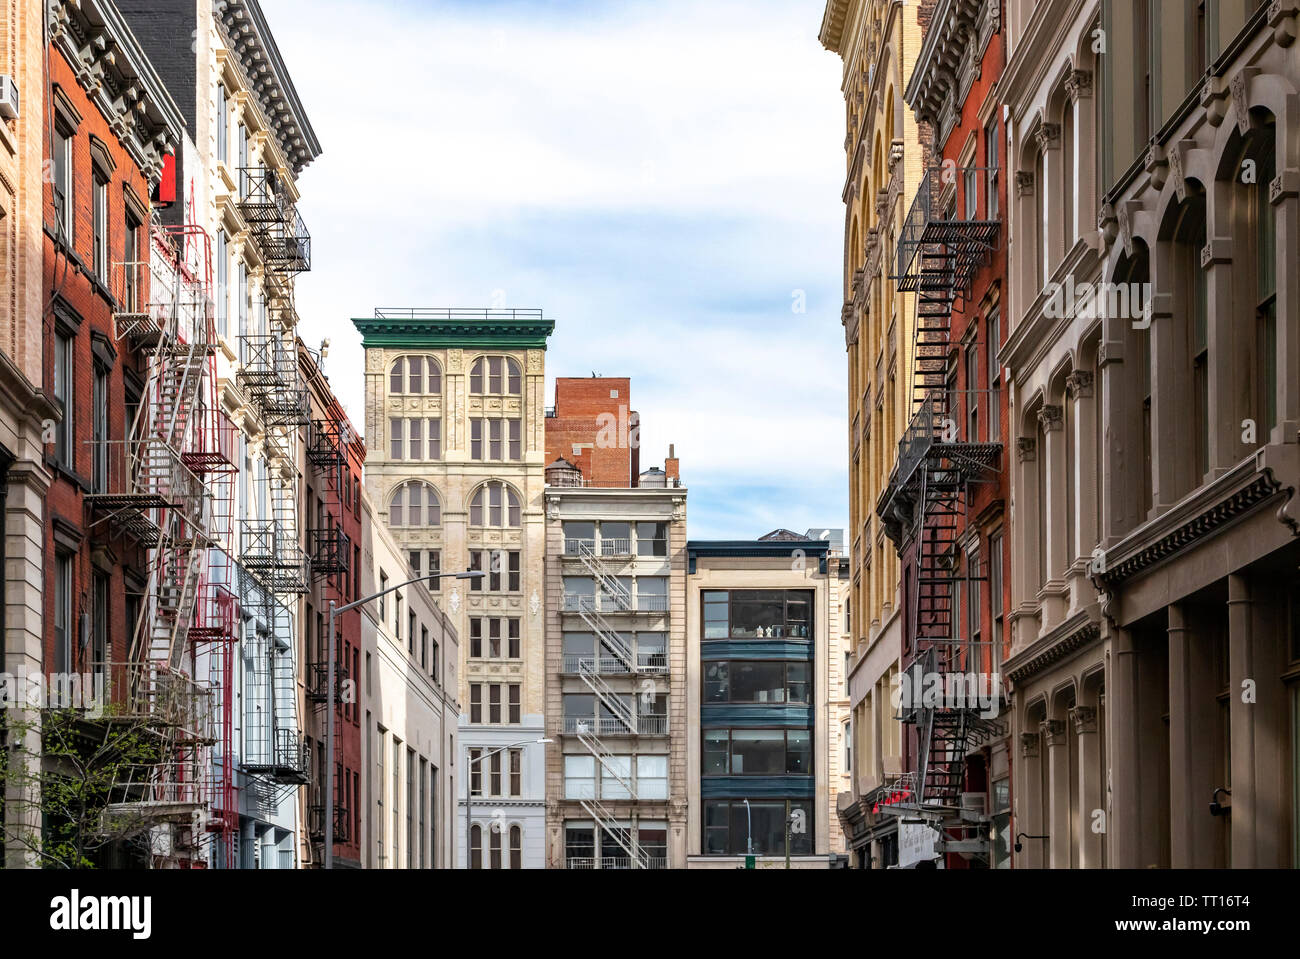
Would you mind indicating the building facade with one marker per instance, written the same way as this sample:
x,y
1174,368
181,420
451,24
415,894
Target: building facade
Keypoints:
x,y
1155,401
27,416
407,695
945,507
615,640
759,614
878,42
249,139
330,459
455,449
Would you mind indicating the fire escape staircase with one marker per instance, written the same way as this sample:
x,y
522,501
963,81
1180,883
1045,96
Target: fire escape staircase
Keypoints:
x,y
608,697
930,490
620,834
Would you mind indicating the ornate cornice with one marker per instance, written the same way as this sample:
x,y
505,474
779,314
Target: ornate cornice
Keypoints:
x,y
437,333
1076,633
1050,418
1221,504
119,79
249,37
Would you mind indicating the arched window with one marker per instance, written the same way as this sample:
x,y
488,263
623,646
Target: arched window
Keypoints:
x,y
495,375
516,847
494,851
494,504
1193,299
476,847
415,375
414,505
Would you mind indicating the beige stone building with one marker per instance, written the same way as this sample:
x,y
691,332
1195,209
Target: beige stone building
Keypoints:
x,y
1154,613
760,617
455,435
616,671
407,691
878,42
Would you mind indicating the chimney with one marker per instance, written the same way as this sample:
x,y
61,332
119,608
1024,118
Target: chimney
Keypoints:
x,y
672,468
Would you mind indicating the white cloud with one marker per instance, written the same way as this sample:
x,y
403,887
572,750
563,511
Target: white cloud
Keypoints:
x,y
659,176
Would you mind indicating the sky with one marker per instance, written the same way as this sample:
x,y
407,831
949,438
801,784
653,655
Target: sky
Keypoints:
x,y
661,177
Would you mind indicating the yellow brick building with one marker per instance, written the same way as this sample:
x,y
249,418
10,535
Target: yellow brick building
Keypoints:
x,y
878,42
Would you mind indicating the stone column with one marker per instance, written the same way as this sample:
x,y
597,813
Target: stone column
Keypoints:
x,y
1084,719
1241,723
1058,785
1284,192
1054,542
1230,348
1079,390
1078,85
1026,541
1048,138
1124,822
1192,718
1029,802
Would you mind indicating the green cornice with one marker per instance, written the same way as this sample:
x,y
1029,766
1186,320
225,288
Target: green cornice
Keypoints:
x,y
516,334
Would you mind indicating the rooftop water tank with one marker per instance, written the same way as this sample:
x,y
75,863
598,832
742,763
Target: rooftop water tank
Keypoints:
x,y
563,473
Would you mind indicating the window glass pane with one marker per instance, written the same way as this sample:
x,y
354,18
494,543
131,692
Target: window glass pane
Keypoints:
x,y
715,752
415,372
757,751
514,384
799,752
716,687
798,685
757,682
476,376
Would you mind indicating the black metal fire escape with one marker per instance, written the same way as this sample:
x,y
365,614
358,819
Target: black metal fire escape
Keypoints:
x,y
950,231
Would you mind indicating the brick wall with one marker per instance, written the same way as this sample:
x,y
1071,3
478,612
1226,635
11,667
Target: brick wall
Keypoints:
x,y
595,428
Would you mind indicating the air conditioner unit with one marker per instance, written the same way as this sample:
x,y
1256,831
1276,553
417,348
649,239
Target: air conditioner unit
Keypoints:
x,y
8,97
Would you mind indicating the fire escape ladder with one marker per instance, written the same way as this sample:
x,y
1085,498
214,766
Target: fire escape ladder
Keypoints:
x,y
606,758
620,834
609,584
606,694
605,632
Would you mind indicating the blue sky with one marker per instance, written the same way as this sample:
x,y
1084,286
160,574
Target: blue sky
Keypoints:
x,y
662,177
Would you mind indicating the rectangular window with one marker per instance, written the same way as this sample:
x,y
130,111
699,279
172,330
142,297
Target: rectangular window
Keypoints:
x,y
223,124
995,591
515,445
514,703
383,585
63,614
991,160
395,438
494,439
410,808
410,633
476,439
424,647
512,572
63,393
101,227
994,345
133,270
435,438
512,626
757,614
494,782
415,429
517,772
494,703
62,173
972,393
476,772
424,856
99,412
476,703
223,281
579,777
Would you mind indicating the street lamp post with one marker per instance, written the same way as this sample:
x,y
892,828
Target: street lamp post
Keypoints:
x,y
329,702
469,783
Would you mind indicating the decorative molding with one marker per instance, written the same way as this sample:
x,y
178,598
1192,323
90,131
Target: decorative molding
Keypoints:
x,y
1025,448
1052,649
1029,744
1051,418
1054,731
1024,183
1084,719
1078,85
1048,136
1079,384
1239,90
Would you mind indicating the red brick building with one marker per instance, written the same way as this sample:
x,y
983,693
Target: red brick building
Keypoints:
x,y
594,428
106,155
947,504
333,456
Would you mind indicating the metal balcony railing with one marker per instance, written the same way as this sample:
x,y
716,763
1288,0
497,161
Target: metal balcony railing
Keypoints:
x,y
956,213
953,424
577,602
262,202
